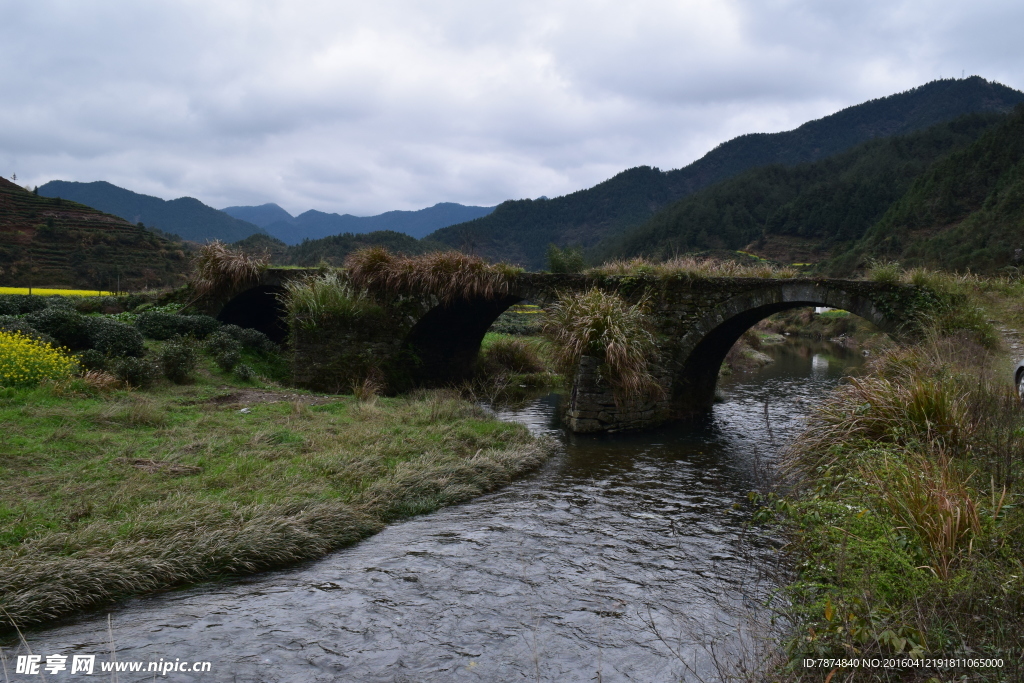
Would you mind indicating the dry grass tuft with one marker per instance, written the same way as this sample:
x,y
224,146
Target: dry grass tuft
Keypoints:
x,y
448,275
101,381
692,268
218,269
595,323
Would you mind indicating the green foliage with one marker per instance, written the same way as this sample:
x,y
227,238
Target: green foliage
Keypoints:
x,y
567,260
136,372
159,325
178,359
9,323
18,304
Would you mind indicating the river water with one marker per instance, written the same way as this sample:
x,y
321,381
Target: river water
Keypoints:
x,y
626,558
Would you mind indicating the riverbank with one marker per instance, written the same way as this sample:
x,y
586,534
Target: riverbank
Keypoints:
x,y
905,519
107,494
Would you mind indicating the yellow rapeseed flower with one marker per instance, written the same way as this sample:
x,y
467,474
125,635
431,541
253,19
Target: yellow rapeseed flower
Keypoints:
x,y
25,361
54,292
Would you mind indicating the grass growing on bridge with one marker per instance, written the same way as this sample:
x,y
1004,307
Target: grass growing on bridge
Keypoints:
x,y
448,275
105,494
692,268
602,325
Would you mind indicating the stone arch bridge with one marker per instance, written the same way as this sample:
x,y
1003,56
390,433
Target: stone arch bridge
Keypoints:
x,y
416,340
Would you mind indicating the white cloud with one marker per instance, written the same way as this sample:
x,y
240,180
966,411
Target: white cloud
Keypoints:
x,y
366,107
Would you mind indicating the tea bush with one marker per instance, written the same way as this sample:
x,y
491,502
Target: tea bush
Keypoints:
x,y
67,326
115,339
179,359
136,372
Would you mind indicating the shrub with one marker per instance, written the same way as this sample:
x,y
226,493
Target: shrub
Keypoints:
x,y
19,304
136,372
179,359
25,361
11,324
245,372
221,342
113,338
91,359
160,325
602,325
568,260
67,326
227,360
255,340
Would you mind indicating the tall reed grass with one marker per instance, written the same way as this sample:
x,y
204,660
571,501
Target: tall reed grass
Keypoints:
x,y
219,269
324,298
692,268
602,325
448,275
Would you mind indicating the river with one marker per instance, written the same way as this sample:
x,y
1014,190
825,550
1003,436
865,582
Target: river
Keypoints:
x,y
627,558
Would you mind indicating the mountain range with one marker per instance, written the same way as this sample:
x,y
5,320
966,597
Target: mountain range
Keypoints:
x,y
520,231
186,217
317,224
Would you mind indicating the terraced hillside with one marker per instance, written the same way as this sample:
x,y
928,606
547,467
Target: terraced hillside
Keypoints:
x,y
55,242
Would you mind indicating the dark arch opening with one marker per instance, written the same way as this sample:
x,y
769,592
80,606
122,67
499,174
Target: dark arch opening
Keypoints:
x,y
259,308
447,339
694,388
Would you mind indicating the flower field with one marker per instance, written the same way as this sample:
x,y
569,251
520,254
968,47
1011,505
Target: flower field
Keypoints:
x,y
54,292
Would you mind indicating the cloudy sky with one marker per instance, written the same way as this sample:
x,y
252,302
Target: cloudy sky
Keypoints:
x,y
363,107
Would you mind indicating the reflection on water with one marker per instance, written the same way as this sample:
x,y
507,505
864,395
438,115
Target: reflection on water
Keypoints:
x,y
622,547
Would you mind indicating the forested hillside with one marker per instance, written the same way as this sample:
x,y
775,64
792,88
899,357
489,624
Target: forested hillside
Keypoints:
x,y
799,212
966,212
520,230
316,224
55,242
186,217
333,249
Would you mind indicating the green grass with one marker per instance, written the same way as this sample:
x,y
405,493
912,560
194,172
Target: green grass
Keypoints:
x,y
104,495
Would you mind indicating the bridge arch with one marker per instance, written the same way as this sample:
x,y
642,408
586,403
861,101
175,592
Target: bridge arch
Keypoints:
x,y
700,352
260,308
447,339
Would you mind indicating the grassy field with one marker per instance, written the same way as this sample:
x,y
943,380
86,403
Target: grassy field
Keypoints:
x,y
108,494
